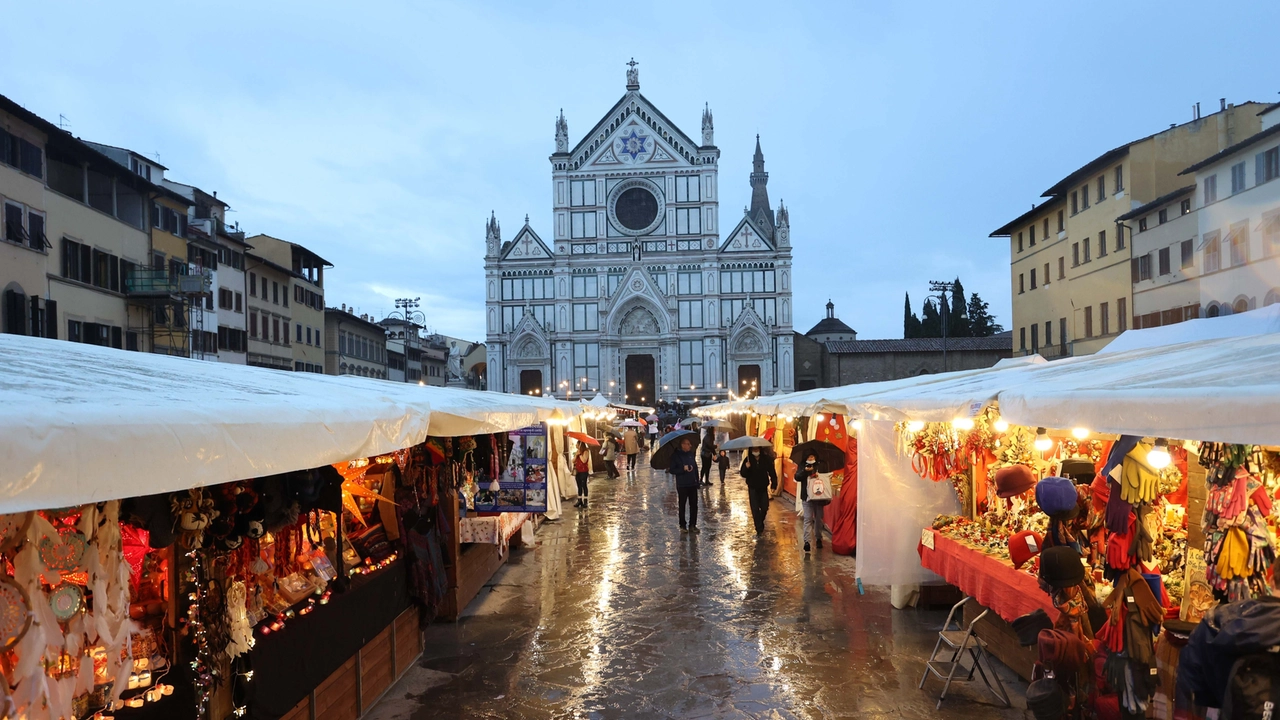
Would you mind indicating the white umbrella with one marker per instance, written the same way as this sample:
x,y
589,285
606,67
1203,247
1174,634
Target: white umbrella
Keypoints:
x,y
745,442
631,423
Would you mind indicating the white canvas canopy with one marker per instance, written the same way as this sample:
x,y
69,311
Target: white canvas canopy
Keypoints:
x,y
85,423
1255,322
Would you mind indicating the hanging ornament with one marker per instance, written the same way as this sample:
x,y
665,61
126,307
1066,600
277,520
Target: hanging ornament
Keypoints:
x,y
65,554
15,614
66,600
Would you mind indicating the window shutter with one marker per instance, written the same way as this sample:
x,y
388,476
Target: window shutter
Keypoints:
x,y
117,338
1133,270
15,313
51,319
1260,168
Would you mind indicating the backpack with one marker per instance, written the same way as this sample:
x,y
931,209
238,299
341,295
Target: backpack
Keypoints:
x,y
1253,688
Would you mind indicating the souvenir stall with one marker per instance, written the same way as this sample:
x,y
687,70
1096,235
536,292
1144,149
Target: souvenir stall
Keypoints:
x,y
257,554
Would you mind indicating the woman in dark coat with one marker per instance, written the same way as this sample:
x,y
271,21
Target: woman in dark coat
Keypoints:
x,y
760,475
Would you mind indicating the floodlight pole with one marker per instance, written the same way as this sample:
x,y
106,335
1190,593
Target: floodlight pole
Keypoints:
x,y
941,289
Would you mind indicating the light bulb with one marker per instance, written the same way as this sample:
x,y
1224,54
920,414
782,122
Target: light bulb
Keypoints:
x,y
821,417
1001,425
856,425
1159,457
1080,433
962,424
1042,443
915,426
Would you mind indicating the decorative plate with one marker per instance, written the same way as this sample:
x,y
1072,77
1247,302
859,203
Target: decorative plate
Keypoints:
x,y
64,555
13,528
15,613
66,600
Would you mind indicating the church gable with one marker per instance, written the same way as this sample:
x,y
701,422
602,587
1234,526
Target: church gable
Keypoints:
x,y
745,238
747,334
637,292
634,133
526,245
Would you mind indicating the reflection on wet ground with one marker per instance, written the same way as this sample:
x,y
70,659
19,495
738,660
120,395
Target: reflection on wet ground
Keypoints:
x,y
616,614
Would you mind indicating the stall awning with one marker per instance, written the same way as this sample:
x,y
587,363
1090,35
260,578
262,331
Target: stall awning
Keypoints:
x,y
83,423
1255,322
633,408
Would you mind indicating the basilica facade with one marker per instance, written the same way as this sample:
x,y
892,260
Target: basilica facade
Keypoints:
x,y
634,292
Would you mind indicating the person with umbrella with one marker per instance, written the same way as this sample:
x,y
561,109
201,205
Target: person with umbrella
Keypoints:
x,y
631,446
708,455
675,455
812,507
761,476
581,469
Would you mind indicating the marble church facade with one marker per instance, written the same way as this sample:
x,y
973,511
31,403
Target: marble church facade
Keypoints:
x,y
635,292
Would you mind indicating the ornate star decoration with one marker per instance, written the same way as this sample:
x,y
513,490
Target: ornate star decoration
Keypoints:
x,y
633,144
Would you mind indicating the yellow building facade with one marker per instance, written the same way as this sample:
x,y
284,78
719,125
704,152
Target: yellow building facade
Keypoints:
x,y
1076,239
301,308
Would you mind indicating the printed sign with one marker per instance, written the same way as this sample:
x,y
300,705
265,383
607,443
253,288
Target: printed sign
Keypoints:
x,y
522,486
926,538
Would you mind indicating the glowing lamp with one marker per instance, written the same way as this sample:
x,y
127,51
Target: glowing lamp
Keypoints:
x,y
1043,443
1159,457
1080,433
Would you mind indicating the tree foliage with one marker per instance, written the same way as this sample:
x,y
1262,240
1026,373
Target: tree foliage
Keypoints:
x,y
965,317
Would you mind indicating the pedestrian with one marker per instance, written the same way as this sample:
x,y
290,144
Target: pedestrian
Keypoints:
x,y
631,446
722,461
684,466
581,467
708,455
812,510
653,436
758,472
610,454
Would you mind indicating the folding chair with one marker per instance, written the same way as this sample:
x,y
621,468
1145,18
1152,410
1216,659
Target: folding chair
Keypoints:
x,y
962,640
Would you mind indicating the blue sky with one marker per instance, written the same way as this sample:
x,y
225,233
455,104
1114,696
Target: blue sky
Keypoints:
x,y
381,134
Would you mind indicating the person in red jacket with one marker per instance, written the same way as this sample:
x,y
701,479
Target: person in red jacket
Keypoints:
x,y
581,468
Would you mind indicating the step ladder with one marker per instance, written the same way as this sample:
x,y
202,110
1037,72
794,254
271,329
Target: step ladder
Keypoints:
x,y
961,641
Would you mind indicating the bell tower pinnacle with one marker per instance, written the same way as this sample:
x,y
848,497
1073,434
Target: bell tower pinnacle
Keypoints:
x,y
760,211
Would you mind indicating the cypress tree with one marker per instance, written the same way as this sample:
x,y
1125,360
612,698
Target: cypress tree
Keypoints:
x,y
910,323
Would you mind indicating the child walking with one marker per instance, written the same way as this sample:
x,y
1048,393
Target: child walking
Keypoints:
x,y
722,461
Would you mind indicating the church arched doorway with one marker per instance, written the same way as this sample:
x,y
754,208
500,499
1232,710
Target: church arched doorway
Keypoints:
x,y
640,379
748,380
531,382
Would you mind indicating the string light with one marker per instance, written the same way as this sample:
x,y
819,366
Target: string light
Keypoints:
x,y
915,426
1043,443
962,423
1079,433
1000,425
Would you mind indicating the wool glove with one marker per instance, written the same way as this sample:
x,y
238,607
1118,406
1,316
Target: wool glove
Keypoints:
x,y
1139,482
1118,509
1233,558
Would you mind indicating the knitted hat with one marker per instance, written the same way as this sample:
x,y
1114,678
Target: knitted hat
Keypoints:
x,y
1060,566
1078,468
1023,546
1045,700
1064,651
1057,497
1028,627
1014,480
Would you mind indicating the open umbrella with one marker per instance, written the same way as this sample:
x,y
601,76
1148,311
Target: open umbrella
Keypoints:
x,y
652,418
746,442
714,423
616,433
768,434
582,437
630,423
829,455
667,447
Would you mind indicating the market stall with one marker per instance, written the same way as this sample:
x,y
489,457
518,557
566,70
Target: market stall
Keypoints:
x,y
189,539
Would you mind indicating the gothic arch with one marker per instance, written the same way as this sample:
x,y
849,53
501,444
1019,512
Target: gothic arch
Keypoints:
x,y
748,343
1272,298
492,290
530,348
619,314
492,320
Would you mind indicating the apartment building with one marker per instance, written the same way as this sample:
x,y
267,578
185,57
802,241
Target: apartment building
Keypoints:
x,y
1222,254
356,345
75,230
269,317
404,349
305,291
1075,237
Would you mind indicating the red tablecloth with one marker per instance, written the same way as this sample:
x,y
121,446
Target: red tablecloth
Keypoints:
x,y
991,581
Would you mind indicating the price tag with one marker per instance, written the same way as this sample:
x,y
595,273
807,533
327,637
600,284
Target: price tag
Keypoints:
x,y
975,409
926,538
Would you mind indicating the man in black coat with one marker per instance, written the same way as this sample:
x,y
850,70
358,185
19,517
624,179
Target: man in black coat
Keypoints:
x,y
684,466
758,471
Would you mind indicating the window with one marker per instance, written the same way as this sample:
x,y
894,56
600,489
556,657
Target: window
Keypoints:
x,y
1035,338
1268,166
74,328
1075,254
35,231
690,283
1087,251
1062,267
1062,222
1088,321
1104,313
21,154
1237,178
1084,197
1046,273
1142,224
586,364
613,281
275,292
586,286
1119,179
660,279
317,335
582,193
1184,207
1032,231
298,337
1144,267
1046,229
1164,261
253,284
1020,248
747,281
691,363
275,330
239,302
1102,188
1102,244
1210,189
1240,244
1033,278
1022,283
14,231
1022,338
1188,254
253,325
586,316
582,225
528,288
544,314
1163,215
688,189
1212,253
1062,335
1120,237
690,313
1048,333
764,307
1122,314
1271,234
689,221
1075,207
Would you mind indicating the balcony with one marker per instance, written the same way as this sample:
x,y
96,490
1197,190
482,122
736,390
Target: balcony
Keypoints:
x,y
158,283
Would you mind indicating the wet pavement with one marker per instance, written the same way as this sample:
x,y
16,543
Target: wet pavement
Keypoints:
x,y
616,614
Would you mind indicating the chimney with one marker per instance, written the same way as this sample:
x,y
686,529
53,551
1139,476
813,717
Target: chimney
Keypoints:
x,y
1222,103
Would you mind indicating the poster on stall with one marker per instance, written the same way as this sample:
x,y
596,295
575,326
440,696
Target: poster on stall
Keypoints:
x,y
522,487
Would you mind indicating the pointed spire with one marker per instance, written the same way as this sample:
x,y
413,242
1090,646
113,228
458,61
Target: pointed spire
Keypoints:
x,y
757,162
784,218
526,218
760,209
562,133
708,127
